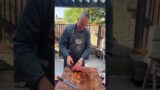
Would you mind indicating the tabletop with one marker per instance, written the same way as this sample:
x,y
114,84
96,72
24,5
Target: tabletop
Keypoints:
x,y
88,80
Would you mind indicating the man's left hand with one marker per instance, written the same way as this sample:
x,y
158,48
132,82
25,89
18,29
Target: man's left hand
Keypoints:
x,y
79,63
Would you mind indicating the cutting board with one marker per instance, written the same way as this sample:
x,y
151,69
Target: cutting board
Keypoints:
x,y
88,80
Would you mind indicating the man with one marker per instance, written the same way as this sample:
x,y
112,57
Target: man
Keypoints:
x,y
33,47
75,42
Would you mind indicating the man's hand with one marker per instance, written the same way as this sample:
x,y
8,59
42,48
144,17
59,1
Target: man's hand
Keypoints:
x,y
69,60
44,84
79,63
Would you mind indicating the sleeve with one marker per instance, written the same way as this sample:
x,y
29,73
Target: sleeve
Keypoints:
x,y
25,40
85,54
63,43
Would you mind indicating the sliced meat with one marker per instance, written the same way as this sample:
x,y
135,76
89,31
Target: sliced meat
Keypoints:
x,y
77,68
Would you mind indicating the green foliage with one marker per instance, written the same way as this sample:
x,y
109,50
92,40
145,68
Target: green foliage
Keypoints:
x,y
96,14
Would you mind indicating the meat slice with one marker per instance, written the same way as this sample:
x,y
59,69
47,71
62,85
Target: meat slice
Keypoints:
x,y
77,68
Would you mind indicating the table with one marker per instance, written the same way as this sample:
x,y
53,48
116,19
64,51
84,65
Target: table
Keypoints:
x,y
88,80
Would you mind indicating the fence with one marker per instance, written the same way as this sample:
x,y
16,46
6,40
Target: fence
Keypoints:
x,y
96,32
10,12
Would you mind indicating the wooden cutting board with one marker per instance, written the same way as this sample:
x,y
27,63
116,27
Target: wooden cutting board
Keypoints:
x,y
88,80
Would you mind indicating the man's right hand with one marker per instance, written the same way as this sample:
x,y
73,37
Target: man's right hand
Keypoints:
x,y
69,60
45,84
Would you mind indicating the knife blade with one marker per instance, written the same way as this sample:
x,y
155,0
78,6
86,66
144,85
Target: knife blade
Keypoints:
x,y
68,83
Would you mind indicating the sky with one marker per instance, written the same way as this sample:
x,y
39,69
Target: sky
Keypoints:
x,y
59,11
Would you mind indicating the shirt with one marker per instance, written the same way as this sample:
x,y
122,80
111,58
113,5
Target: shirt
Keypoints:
x,y
64,42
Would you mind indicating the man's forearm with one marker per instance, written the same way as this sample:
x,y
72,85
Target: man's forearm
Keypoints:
x,y
63,50
63,43
85,54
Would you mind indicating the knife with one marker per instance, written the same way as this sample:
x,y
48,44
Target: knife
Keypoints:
x,y
68,83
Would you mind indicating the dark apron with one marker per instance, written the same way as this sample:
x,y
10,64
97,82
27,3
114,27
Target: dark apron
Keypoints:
x,y
76,46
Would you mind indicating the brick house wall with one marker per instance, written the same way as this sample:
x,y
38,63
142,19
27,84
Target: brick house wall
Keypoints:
x,y
123,33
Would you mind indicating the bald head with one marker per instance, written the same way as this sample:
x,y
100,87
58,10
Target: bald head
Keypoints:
x,y
83,20
84,14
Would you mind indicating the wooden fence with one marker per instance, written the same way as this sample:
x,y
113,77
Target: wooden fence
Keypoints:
x,y
97,32
10,12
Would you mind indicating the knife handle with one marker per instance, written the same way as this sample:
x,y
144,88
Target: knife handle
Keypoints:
x,y
60,78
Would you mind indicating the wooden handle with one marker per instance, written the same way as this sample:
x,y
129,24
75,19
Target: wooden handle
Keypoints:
x,y
59,78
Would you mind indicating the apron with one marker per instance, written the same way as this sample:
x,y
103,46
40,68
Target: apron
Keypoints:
x,y
76,45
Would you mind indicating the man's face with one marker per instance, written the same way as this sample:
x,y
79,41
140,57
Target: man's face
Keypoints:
x,y
82,22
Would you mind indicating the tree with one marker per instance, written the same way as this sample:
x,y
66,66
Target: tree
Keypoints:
x,y
96,15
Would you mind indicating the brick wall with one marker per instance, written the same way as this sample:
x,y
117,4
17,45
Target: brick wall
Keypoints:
x,y
123,32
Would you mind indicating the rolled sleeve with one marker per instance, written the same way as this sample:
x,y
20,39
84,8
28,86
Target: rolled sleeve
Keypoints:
x,y
63,43
85,54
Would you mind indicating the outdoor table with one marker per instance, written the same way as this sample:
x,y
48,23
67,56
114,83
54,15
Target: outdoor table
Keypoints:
x,y
88,80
